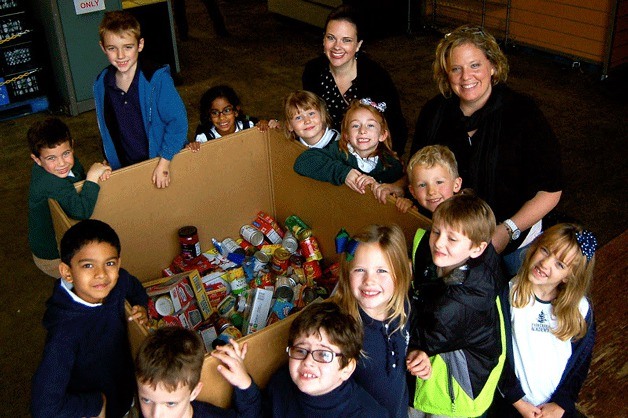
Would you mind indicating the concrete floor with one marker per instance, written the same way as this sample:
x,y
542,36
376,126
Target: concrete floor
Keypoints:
x,y
263,60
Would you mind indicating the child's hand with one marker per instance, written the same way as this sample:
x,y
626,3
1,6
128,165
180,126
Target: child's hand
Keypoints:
x,y
403,204
274,124
418,364
139,315
551,410
194,146
161,174
526,409
98,171
262,125
232,368
382,191
358,181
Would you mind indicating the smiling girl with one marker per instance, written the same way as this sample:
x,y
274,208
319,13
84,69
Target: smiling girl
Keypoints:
x,y
552,327
362,157
374,280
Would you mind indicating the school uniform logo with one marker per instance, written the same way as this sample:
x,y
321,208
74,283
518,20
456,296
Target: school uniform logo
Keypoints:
x,y
541,324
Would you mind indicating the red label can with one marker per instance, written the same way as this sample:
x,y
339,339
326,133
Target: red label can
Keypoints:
x,y
310,249
281,260
312,271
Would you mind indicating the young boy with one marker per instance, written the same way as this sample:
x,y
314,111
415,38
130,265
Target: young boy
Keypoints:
x,y
433,178
54,172
324,344
454,315
140,113
168,371
86,368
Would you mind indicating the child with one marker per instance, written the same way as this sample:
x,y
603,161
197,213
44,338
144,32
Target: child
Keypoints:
x,y
307,120
432,178
168,371
53,175
86,368
221,114
363,155
373,289
324,344
551,326
455,317
140,113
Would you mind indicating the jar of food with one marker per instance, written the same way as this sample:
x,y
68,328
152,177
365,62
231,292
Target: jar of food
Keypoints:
x,y
190,245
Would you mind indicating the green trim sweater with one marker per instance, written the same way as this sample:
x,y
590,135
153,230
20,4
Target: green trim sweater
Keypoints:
x,y
77,205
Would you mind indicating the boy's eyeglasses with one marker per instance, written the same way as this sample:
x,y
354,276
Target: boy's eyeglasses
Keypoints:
x,y
226,111
320,356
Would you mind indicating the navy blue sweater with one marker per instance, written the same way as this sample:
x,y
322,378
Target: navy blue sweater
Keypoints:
x,y
383,371
86,354
349,400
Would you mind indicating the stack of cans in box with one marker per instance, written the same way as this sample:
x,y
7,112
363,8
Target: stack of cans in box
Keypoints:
x,y
261,277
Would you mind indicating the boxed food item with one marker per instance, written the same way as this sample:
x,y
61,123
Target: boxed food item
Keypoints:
x,y
172,294
147,220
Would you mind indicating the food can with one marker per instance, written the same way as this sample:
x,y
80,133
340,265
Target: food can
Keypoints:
x,y
280,261
226,306
312,271
309,246
252,234
261,260
188,239
164,306
294,224
248,248
290,243
284,288
230,246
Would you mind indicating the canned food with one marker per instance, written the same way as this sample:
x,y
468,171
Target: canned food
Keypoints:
x,y
284,288
296,261
226,306
290,243
248,248
252,234
294,224
261,261
309,246
230,246
164,306
280,260
312,271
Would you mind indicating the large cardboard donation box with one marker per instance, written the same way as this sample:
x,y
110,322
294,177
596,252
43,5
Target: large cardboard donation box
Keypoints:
x,y
219,189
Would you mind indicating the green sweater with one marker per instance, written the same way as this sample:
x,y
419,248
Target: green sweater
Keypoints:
x,y
77,205
332,165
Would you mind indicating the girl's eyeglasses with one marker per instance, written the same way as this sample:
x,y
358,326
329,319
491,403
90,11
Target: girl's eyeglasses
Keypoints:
x,y
226,111
320,356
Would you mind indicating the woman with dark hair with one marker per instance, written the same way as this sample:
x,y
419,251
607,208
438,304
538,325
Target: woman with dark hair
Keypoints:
x,y
340,75
505,148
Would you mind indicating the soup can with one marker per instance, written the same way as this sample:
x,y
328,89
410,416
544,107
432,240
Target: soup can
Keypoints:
x,y
280,261
290,243
284,288
261,260
309,246
252,234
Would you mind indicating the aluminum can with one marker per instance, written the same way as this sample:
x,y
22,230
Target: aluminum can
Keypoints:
x,y
252,234
294,224
309,246
290,243
280,261
284,288
261,261
312,271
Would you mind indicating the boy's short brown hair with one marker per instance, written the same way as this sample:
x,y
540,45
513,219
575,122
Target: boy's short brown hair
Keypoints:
x,y
432,155
467,214
171,356
119,21
341,328
48,133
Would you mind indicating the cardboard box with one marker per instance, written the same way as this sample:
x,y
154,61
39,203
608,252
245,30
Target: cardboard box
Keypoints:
x,y
251,171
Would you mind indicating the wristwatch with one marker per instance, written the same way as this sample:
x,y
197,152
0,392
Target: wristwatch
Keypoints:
x,y
512,229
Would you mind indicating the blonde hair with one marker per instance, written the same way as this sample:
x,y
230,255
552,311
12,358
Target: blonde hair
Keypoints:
x,y
560,240
384,147
119,22
304,100
464,35
467,214
432,155
392,243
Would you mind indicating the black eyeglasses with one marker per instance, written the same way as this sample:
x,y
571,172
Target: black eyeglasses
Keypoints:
x,y
320,356
226,111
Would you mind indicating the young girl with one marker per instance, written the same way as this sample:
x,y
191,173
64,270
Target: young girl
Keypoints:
x,y
363,156
221,114
307,120
553,331
375,276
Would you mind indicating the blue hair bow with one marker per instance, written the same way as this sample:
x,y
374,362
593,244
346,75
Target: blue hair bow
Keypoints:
x,y
587,242
346,245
